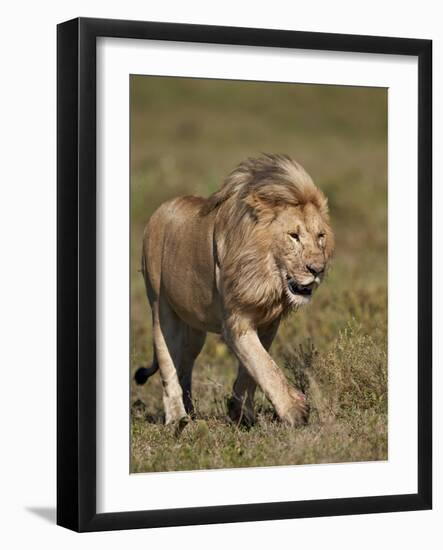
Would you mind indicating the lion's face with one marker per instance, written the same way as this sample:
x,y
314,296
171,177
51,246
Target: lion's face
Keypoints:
x,y
302,243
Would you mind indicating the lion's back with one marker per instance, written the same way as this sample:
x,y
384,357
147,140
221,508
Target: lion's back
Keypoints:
x,y
178,252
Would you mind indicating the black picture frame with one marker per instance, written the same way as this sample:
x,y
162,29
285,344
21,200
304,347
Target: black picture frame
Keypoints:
x,y
76,278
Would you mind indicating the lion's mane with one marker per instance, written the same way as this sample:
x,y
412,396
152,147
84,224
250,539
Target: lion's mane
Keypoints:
x,y
246,203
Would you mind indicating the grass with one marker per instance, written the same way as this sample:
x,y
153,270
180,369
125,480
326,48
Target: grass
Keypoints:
x,y
186,136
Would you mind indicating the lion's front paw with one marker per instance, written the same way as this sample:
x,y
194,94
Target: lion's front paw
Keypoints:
x,y
298,413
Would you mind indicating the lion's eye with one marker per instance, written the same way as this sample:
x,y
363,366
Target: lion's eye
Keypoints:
x,y
294,236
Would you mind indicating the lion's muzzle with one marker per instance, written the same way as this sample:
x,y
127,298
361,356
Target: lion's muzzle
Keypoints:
x,y
298,289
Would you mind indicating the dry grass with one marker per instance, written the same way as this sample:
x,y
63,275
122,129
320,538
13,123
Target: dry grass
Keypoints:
x,y
186,135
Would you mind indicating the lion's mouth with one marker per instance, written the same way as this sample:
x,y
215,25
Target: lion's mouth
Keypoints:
x,y
298,289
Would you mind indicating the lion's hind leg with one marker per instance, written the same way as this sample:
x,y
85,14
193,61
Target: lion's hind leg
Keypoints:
x,y
192,341
168,338
241,403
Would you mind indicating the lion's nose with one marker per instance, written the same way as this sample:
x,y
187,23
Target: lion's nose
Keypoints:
x,y
315,269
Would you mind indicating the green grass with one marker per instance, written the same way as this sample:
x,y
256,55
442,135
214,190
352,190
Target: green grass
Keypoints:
x,y
186,136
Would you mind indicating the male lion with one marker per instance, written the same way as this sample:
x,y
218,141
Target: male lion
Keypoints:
x,y
234,263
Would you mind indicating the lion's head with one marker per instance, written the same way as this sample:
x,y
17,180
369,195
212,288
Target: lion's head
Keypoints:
x,y
274,233
301,244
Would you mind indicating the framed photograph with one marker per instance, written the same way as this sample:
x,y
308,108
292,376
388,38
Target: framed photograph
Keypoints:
x,y
244,274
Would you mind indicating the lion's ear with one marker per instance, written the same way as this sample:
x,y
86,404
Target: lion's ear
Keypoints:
x,y
260,208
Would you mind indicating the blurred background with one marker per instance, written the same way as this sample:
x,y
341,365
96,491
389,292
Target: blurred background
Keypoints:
x,y
186,136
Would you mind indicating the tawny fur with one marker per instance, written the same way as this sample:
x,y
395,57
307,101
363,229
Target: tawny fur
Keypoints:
x,y
225,265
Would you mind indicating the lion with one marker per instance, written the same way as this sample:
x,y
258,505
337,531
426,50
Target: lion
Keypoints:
x,y
234,264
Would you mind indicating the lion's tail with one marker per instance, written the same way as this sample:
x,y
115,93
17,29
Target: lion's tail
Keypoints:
x,y
143,373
